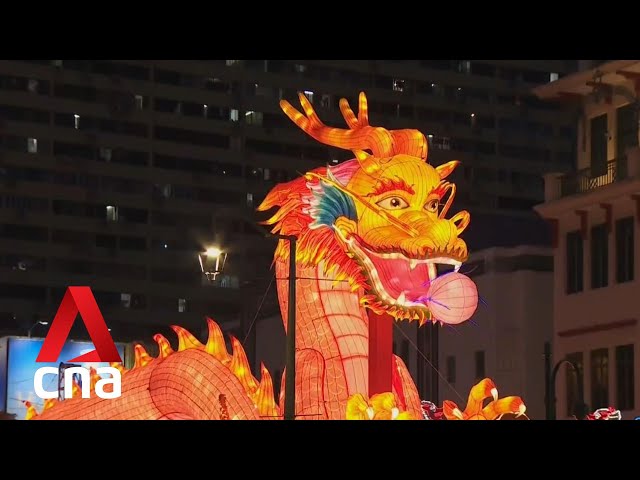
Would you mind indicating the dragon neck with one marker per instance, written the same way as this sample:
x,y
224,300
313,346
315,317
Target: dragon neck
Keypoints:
x,y
330,321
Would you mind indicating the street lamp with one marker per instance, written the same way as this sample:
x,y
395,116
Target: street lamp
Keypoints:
x,y
39,322
212,262
579,409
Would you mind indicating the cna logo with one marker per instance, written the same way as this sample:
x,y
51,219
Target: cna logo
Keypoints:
x,y
79,300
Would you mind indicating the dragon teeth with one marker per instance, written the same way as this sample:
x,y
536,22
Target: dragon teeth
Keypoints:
x,y
401,298
413,264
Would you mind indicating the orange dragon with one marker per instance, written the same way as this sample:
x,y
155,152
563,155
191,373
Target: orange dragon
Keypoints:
x,y
371,233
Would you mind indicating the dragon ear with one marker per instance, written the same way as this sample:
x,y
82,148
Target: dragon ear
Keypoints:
x,y
446,169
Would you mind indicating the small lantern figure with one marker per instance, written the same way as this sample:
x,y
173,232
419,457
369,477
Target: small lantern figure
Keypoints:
x,y
212,262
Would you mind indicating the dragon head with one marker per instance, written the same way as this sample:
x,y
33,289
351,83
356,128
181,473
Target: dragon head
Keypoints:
x,y
377,221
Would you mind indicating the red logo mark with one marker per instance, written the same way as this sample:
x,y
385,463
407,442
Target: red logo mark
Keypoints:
x,y
79,300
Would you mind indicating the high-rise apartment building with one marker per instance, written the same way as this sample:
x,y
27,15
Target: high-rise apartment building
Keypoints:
x,y
116,174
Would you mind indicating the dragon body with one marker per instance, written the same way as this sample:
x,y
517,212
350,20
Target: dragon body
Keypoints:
x,y
371,233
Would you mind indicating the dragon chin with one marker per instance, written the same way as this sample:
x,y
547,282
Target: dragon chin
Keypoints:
x,y
398,284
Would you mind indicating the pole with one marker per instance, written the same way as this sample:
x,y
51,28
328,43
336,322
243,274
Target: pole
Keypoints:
x,y
547,380
290,379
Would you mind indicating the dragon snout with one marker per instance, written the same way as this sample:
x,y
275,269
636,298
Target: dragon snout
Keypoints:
x,y
440,237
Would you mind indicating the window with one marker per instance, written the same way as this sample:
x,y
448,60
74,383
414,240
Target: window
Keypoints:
x,y
205,110
451,370
599,256
76,121
112,213
575,262
253,118
309,95
480,366
300,68
398,85
624,249
182,305
233,115
231,63
599,142
56,63
625,377
627,137
325,101
125,300
553,77
32,145
249,199
599,378
572,381
105,154
139,102
464,66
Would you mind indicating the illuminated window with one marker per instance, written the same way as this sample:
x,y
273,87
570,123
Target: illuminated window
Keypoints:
x,y
182,305
125,300
599,378
205,110
334,161
464,66
451,370
253,118
56,63
231,63
249,199
553,77
233,115
300,68
32,145
112,213
398,85
76,121
309,95
139,102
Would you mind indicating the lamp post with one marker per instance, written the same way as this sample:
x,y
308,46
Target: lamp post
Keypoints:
x,y
550,386
39,322
211,264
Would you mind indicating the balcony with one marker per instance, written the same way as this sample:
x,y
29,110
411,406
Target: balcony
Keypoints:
x,y
586,180
559,186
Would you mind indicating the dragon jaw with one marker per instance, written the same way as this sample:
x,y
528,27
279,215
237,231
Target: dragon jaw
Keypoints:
x,y
397,282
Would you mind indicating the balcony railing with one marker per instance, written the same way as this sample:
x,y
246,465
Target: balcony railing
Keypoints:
x,y
587,179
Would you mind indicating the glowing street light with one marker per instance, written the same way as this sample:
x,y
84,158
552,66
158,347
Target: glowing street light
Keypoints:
x,y
39,322
212,262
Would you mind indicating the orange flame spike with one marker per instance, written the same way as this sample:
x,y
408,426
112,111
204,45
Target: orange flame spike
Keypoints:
x,y
76,391
265,397
94,379
142,357
186,341
31,410
48,403
118,366
163,345
240,367
215,343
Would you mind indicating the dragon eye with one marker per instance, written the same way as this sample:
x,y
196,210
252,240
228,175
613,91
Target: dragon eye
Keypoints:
x,y
432,206
393,203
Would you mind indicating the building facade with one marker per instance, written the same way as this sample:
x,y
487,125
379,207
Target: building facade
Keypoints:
x,y
594,214
505,338
115,174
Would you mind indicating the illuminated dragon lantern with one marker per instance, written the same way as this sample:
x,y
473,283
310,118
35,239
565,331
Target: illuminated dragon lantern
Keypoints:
x,y
371,234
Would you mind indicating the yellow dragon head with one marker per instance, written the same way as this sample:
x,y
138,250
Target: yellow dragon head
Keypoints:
x,y
378,220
